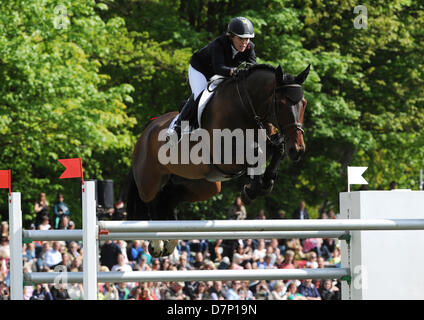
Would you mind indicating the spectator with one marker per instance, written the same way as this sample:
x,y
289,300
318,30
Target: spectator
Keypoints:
x,y
288,262
146,252
237,211
268,264
143,266
41,292
281,214
175,292
293,294
245,292
198,260
183,246
73,250
4,229
135,251
109,254
60,208
153,290
308,289
44,225
165,264
312,245
234,292
216,292
327,248
119,211
199,246
41,208
260,252
77,264
312,260
200,292
71,225
121,265
183,263
301,213
262,291
323,215
109,292
336,259
261,215
64,222
145,294
60,293
296,247
329,291
66,261
123,291
321,263
53,257
331,214
279,292
4,246
155,264
76,290
224,264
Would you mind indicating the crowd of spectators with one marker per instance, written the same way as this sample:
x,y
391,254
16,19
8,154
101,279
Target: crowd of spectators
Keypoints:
x,y
46,256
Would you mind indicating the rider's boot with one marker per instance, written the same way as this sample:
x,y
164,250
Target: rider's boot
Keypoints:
x,y
184,115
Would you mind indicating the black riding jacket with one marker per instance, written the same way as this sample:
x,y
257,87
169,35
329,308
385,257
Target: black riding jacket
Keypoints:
x,y
217,57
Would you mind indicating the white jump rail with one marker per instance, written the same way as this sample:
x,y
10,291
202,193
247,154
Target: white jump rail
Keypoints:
x,y
262,225
69,235
196,275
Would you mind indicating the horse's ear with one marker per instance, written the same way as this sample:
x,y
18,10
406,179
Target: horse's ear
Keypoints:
x,y
279,74
301,77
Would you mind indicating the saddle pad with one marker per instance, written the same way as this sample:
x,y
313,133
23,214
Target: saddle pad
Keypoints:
x,y
207,94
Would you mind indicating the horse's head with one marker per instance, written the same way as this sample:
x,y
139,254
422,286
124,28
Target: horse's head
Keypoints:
x,y
289,110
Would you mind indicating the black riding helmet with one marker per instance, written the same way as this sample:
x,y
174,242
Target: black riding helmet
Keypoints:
x,y
241,27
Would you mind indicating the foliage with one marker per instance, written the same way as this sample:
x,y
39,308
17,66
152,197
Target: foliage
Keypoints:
x,y
87,90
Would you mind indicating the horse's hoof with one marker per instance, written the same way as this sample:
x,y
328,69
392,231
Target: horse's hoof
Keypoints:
x,y
245,196
268,189
169,247
156,248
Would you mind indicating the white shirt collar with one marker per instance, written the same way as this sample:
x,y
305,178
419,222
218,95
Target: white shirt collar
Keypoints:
x,y
235,51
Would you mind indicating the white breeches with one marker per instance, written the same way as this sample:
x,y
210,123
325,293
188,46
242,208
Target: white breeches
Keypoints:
x,y
197,81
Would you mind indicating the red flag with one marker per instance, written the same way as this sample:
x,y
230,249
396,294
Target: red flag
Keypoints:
x,y
5,180
73,168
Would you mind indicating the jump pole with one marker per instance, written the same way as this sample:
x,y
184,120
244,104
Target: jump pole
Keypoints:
x,y
16,258
70,235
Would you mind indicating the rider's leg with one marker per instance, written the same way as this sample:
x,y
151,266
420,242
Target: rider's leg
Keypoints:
x,y
198,83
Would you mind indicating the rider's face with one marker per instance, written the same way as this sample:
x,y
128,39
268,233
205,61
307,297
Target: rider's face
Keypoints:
x,y
240,43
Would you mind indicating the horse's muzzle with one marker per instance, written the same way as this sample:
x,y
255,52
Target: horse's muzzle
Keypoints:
x,y
295,153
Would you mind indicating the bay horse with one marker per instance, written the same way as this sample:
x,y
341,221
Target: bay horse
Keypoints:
x,y
261,96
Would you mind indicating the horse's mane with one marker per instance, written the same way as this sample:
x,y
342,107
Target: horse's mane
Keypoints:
x,y
262,66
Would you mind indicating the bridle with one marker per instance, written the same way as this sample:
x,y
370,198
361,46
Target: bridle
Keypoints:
x,y
277,141
259,121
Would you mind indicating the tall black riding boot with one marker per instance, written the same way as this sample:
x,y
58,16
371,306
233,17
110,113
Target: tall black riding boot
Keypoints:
x,y
184,115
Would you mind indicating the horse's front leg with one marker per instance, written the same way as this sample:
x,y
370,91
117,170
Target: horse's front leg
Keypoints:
x,y
252,190
271,171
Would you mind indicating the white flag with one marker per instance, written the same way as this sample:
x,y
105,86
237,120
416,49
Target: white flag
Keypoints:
x,y
354,175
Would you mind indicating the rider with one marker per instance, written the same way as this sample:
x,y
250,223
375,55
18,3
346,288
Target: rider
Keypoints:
x,y
220,57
